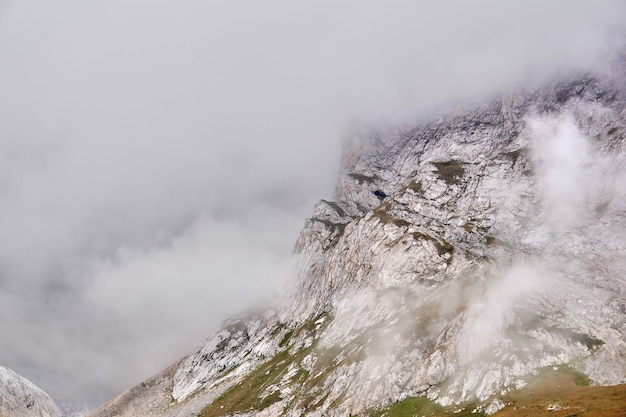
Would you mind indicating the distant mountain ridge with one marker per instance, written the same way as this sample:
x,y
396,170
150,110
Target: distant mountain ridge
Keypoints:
x,y
460,259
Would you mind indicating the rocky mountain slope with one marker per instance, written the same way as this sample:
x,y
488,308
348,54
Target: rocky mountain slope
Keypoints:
x,y
460,259
20,397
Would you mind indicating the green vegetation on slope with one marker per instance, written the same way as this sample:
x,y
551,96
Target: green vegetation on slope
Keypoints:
x,y
409,407
564,392
251,393
560,392
248,394
416,186
423,407
556,392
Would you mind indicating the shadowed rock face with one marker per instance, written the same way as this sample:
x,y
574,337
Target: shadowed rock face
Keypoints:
x,y
20,397
498,250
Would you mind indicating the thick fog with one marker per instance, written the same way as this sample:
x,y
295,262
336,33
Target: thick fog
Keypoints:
x,y
157,158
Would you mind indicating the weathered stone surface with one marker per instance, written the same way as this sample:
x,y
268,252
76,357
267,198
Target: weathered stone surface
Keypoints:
x,y
497,250
20,397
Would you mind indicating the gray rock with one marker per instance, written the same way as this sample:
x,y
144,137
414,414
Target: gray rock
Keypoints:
x,y
20,397
498,250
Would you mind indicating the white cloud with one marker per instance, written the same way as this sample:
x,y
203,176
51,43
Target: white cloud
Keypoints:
x,y
123,124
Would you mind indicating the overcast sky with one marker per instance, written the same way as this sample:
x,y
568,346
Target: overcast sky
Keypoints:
x,y
157,158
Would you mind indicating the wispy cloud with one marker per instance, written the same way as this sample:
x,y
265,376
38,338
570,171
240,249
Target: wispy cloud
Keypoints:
x,y
157,158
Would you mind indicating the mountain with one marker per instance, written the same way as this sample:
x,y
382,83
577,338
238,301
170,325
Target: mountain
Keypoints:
x,y
20,397
468,266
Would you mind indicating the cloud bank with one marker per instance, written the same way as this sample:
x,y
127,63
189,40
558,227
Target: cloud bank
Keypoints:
x,y
157,158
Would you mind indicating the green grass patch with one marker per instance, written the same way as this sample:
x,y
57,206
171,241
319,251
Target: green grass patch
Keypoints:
x,y
286,338
416,186
248,394
569,389
422,406
301,375
270,399
413,406
577,377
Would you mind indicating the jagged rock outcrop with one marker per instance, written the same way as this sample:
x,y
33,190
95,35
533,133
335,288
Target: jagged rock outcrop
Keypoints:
x,y
20,397
460,257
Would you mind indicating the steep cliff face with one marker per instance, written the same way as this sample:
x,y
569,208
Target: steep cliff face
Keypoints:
x,y
20,397
460,258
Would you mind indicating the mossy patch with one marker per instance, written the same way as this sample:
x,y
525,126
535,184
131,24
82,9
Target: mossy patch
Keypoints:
x,y
413,406
422,406
270,399
415,186
578,377
286,338
301,375
381,213
450,171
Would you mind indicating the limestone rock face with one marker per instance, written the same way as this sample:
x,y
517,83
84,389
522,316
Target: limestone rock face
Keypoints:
x,y
459,257
20,397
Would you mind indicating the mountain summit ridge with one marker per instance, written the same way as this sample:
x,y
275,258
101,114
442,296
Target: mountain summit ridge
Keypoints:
x,y
460,258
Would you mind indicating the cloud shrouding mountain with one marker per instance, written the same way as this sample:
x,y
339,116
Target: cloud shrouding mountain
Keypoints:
x,y
157,158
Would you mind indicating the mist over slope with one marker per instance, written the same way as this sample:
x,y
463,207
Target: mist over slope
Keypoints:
x,y
157,158
459,259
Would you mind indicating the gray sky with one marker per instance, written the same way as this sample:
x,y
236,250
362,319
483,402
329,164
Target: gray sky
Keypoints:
x,y
157,158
